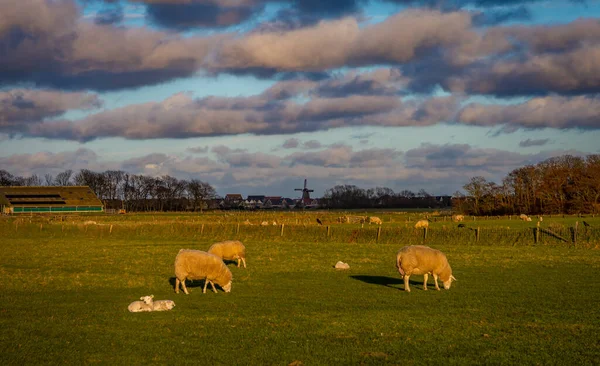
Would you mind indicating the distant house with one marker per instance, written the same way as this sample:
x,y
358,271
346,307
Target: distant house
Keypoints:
x,y
256,201
273,202
233,200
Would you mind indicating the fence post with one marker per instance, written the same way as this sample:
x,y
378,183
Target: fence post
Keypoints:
x,y
378,233
237,230
41,225
282,225
537,233
110,231
328,230
202,229
424,233
477,234
575,233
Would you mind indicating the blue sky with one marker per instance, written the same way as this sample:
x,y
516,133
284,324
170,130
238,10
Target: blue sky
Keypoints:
x,y
253,96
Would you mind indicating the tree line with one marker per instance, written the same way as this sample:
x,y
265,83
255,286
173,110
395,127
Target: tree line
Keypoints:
x,y
119,189
563,184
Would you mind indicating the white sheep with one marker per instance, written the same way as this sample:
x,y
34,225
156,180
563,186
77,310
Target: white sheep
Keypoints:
x,y
146,304
375,220
423,260
198,265
524,217
421,224
458,218
229,250
264,223
162,305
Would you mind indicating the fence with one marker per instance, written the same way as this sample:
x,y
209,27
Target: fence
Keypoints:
x,y
578,236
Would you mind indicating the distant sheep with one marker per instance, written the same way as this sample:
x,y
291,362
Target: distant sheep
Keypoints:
x,y
423,260
247,222
264,223
458,218
375,220
89,222
422,224
198,265
524,217
144,305
230,250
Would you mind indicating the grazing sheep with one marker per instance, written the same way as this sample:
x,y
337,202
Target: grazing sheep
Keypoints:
x,y
229,250
375,220
162,305
264,223
247,222
274,223
198,265
457,218
145,305
420,259
524,217
421,224
90,222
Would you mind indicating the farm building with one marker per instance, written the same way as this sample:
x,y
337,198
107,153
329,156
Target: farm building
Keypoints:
x,y
49,200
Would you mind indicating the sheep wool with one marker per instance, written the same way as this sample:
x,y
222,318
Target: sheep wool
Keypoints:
x,y
198,265
421,224
229,250
162,305
146,304
375,220
423,260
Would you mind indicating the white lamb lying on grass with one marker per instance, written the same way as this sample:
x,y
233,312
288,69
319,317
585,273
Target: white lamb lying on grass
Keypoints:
x,y
148,304
145,305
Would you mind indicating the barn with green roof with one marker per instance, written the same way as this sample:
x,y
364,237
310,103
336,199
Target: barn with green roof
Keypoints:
x,y
44,199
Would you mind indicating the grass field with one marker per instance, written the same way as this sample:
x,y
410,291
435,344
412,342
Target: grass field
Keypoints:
x,y
63,299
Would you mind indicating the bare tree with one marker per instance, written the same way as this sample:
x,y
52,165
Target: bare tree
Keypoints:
x,y
64,178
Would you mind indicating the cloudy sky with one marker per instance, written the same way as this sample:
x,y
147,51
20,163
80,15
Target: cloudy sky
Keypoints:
x,y
253,96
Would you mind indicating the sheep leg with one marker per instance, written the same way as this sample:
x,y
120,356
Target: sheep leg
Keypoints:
x,y
205,283
435,277
406,287
425,277
244,260
213,286
176,285
184,287
238,260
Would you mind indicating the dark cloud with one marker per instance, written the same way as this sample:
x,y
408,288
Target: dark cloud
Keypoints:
x,y
22,107
198,14
110,15
530,142
197,150
497,16
291,143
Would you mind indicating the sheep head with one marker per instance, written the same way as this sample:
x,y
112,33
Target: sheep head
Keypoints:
x,y
227,287
448,282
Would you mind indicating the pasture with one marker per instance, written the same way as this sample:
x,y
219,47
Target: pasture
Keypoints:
x,y
65,287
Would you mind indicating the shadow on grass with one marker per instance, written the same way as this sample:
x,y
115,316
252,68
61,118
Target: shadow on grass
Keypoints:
x,y
189,283
394,282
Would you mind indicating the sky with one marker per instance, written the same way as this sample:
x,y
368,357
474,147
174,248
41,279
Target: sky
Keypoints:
x,y
254,96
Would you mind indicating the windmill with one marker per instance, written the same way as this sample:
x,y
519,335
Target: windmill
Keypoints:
x,y
305,193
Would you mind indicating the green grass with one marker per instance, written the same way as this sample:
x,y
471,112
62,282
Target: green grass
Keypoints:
x,y
64,300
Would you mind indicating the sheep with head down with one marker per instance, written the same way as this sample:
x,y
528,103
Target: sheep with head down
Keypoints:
x,y
198,265
423,260
229,250
422,224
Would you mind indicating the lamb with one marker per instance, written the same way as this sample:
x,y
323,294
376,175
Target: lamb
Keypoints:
x,y
162,305
457,218
145,305
374,220
422,224
230,250
420,259
198,265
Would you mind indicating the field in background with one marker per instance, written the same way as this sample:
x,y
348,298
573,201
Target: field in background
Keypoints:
x,y
65,287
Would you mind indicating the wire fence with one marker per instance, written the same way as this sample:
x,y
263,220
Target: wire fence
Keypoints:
x,y
577,236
